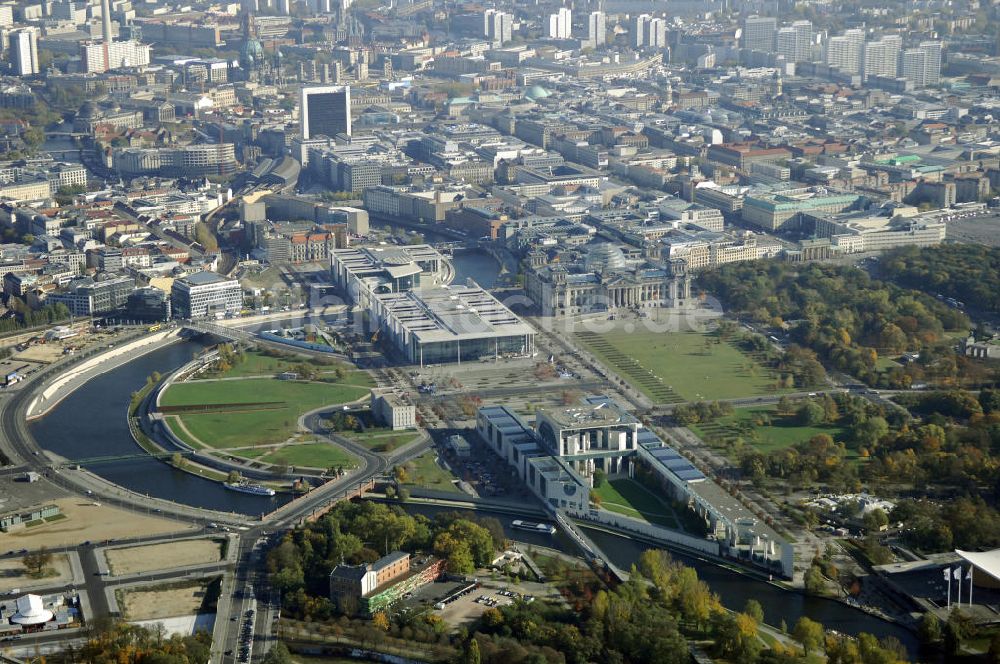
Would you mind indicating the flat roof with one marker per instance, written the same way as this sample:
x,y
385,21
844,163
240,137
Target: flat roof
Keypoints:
x,y
452,314
204,278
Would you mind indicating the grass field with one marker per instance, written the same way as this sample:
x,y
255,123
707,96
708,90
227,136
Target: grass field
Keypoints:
x,y
630,498
259,364
312,455
177,427
671,367
425,472
781,433
270,424
249,452
381,439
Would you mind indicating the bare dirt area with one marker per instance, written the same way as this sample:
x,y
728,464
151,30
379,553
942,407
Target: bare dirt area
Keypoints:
x,y
137,559
13,574
42,353
86,521
153,603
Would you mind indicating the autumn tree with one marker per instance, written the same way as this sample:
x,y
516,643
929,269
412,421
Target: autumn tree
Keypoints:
x,y
809,633
36,563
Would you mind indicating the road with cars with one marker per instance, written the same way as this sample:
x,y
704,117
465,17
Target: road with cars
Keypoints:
x,y
248,580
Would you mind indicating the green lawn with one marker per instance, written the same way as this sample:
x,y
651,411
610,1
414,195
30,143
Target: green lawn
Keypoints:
x,y
424,471
312,455
671,367
886,363
630,498
260,364
250,452
173,422
783,431
273,423
309,395
381,439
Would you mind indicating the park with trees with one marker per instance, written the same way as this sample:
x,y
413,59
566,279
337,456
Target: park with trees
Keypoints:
x,y
850,321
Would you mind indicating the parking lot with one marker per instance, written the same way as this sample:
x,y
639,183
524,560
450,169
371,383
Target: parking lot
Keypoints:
x,y
485,594
484,470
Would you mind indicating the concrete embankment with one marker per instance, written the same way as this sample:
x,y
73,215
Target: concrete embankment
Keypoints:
x,y
78,375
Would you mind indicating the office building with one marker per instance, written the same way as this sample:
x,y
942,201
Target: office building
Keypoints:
x,y
196,160
794,42
597,29
408,304
99,57
759,33
550,478
325,111
23,46
367,589
87,297
881,58
844,52
561,24
393,410
498,26
148,304
205,294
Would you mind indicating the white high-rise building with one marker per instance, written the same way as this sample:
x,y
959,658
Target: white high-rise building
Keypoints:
x,y
24,52
99,57
921,65
561,24
639,29
913,66
498,26
795,42
932,75
649,32
597,29
881,58
759,33
656,33
844,52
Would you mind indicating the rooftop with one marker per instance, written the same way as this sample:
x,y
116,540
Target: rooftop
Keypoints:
x,y
204,278
451,314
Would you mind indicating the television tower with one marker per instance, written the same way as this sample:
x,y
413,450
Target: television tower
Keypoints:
x,y
106,21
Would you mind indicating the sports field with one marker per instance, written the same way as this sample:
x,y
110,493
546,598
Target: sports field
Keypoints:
x,y
630,498
254,411
671,367
782,432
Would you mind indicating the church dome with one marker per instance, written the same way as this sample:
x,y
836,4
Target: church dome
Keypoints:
x,y
604,257
251,52
536,92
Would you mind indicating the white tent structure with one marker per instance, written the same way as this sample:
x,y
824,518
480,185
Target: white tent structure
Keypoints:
x,y
31,611
986,562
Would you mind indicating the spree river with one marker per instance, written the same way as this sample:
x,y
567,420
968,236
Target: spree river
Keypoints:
x,y
91,422
734,589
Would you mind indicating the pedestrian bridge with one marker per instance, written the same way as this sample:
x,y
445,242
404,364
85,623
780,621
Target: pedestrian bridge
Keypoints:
x,y
231,333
